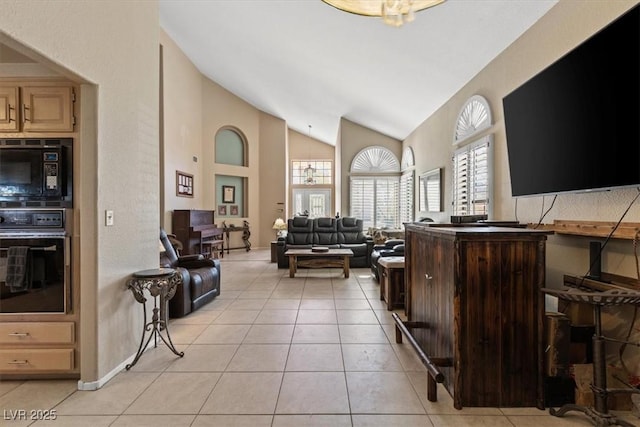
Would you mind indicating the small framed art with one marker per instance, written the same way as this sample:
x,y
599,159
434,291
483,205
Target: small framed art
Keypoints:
x,y
228,194
222,210
184,184
233,210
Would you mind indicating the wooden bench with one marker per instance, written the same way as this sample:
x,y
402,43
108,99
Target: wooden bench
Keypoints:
x,y
213,248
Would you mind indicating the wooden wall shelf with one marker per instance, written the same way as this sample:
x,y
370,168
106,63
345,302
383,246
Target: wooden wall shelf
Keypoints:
x,y
626,230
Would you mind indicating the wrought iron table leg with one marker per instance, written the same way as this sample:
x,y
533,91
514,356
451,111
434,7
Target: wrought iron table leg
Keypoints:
x,y
161,284
599,415
598,419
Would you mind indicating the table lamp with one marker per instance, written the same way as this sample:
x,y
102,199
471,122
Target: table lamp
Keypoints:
x,y
280,225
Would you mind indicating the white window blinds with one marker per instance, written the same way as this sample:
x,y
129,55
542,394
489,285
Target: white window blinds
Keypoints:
x,y
406,197
375,200
472,178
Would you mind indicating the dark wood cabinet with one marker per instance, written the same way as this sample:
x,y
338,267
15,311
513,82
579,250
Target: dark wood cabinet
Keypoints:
x,y
477,291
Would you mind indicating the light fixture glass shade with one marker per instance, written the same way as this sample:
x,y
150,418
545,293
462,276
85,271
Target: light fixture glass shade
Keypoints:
x,y
393,12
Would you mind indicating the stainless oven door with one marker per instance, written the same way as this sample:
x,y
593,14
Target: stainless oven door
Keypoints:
x,y
34,273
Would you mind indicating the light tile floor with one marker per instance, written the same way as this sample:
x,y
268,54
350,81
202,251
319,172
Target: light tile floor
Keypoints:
x,y
316,350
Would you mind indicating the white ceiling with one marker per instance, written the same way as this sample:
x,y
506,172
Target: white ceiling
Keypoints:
x,y
311,64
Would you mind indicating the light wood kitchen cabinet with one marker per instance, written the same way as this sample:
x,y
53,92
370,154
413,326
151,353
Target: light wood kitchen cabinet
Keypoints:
x,y
37,347
37,108
9,109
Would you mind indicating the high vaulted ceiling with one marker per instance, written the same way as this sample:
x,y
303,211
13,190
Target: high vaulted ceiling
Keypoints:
x,y
311,64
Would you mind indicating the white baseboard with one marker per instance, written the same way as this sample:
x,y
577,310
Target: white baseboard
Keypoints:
x,y
95,385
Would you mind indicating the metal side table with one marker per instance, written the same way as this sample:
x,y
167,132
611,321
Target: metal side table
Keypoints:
x,y
162,283
599,414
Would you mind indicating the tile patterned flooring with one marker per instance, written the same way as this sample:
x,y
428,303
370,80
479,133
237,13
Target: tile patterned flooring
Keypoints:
x,y
316,350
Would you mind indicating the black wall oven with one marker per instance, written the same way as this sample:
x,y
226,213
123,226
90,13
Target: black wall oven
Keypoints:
x,y
36,172
35,254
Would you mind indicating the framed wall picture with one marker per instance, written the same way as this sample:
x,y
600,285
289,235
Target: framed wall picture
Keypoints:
x,y
234,210
222,210
228,194
184,184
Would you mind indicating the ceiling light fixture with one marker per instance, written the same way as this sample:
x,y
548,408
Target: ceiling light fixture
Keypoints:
x,y
393,12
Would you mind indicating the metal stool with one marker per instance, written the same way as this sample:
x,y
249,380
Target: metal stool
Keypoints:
x,y
599,414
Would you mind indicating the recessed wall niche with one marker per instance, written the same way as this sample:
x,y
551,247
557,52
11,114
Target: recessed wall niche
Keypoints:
x,y
231,147
231,201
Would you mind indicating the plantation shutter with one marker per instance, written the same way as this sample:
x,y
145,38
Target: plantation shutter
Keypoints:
x,y
386,202
406,197
362,200
374,189
472,178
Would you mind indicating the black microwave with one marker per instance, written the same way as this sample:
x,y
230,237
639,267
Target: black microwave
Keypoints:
x,y
36,172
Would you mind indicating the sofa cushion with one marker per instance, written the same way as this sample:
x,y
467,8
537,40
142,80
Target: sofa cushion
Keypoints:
x,y
349,222
350,230
325,231
299,231
358,249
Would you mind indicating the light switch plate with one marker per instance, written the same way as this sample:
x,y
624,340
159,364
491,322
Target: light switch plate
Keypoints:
x,y
108,218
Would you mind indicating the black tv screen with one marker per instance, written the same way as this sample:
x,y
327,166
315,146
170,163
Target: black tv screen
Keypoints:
x,y
575,126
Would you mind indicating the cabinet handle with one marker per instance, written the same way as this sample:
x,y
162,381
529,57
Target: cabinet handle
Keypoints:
x,y
18,362
19,334
10,109
426,276
24,113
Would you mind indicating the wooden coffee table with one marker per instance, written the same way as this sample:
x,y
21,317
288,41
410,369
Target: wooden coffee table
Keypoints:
x,y
308,258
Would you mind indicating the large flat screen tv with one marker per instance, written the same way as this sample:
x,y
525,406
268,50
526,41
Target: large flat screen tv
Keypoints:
x,y
575,126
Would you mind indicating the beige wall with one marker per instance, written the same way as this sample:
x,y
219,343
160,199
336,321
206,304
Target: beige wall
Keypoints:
x,y
182,126
195,109
274,155
563,28
354,138
113,45
304,147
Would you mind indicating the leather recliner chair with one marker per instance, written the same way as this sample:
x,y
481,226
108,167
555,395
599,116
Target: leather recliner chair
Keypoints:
x,y
392,247
200,279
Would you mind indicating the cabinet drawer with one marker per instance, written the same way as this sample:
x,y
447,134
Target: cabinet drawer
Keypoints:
x,y
37,333
36,360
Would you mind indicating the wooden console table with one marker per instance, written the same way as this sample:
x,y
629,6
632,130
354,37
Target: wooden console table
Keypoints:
x,y
246,233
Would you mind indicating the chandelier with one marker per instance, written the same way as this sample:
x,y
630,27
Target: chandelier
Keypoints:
x,y
309,175
393,12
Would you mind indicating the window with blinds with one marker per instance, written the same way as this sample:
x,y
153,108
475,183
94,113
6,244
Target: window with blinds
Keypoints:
x,y
375,200
472,176
375,188
406,197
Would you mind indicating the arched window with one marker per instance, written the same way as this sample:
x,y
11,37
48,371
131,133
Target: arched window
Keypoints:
x,y
374,187
472,161
230,147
